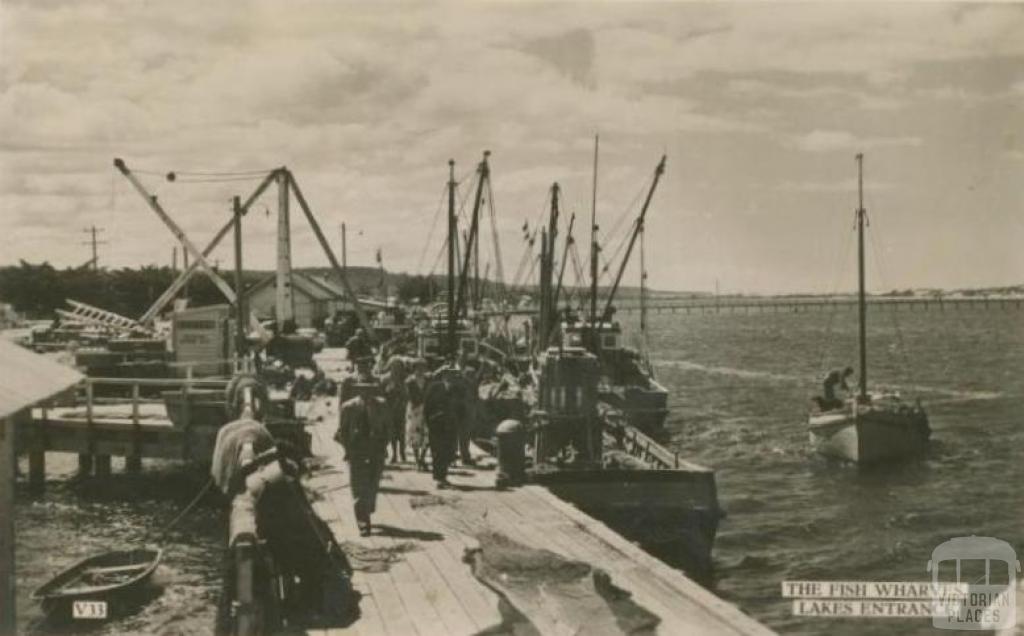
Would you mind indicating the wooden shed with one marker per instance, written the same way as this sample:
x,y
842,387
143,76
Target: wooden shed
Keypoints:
x,y
26,379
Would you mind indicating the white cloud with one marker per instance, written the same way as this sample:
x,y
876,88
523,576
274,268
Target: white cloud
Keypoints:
x,y
834,140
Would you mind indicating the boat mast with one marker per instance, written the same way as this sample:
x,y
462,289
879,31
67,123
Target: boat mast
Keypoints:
x,y
606,315
643,297
472,243
593,241
861,301
453,236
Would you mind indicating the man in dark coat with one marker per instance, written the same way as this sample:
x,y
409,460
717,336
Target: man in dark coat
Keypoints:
x,y
358,346
444,409
363,432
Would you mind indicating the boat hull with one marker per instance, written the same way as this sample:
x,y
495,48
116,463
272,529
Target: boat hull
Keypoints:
x,y
672,514
85,582
870,436
646,408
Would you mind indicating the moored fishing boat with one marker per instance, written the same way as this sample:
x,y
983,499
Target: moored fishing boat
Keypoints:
x,y
589,455
586,406
867,427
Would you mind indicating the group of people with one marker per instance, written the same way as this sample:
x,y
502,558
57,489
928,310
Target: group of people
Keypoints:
x,y
404,407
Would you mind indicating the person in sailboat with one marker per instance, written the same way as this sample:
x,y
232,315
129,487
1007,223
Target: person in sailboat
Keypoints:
x,y
837,389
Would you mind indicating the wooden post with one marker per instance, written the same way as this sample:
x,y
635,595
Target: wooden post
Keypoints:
x,y
7,476
186,416
133,463
36,455
85,459
244,545
284,302
102,465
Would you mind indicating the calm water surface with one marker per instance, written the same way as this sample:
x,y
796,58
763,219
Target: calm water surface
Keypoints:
x,y
75,520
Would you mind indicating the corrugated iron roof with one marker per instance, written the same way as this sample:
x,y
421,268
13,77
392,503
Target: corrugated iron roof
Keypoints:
x,y
27,378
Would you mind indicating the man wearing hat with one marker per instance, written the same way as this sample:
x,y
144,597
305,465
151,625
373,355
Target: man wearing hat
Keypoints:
x,y
364,432
444,409
358,346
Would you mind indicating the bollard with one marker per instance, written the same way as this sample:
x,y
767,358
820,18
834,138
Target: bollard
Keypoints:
x,y
511,454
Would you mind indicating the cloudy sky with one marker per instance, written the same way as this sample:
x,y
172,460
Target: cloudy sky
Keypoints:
x,y
759,107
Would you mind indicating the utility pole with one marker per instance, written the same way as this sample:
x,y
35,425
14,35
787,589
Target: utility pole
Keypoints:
x,y
95,257
184,263
174,259
284,302
240,321
344,250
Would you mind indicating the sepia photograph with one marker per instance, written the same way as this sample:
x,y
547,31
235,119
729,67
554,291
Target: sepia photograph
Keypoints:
x,y
511,317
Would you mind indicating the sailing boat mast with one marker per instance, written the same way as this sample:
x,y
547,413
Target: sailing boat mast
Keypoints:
x,y
861,301
593,241
643,296
658,171
453,236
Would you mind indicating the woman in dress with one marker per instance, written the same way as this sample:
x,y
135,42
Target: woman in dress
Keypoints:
x,y
415,422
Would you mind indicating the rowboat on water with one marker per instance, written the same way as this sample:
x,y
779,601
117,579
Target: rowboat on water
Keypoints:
x,y
868,427
100,586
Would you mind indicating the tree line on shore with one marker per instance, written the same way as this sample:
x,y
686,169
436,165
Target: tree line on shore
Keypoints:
x,y
36,290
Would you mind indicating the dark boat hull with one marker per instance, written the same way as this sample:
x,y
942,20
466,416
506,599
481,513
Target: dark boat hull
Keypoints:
x,y
672,514
871,436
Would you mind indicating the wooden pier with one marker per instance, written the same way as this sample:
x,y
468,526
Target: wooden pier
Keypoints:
x,y
803,304
98,428
415,579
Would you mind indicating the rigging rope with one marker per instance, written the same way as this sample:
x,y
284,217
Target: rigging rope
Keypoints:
x,y
880,264
433,227
839,268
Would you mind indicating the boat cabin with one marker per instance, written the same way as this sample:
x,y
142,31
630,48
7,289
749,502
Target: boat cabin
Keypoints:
x,y
595,337
431,340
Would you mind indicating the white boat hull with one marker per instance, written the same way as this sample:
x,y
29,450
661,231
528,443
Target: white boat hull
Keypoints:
x,y
869,435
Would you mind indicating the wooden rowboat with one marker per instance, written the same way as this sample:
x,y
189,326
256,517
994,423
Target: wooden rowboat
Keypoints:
x,y
100,586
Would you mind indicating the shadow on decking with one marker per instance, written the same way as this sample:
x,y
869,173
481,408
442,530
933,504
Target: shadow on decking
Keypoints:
x,y
403,533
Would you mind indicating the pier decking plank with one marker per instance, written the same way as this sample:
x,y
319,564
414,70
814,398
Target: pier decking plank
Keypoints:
x,y
428,588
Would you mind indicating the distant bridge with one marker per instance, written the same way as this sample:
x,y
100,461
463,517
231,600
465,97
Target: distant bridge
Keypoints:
x,y
746,305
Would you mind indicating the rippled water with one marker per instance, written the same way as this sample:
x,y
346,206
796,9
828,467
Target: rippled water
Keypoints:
x,y
740,392
741,388
75,520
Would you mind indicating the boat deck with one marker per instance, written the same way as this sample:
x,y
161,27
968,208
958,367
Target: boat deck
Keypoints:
x,y
414,577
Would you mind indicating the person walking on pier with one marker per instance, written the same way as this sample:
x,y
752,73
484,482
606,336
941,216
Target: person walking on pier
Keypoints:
x,y
358,346
393,381
415,422
444,408
471,389
364,431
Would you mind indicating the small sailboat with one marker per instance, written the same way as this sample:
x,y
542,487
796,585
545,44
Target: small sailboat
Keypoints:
x,y
868,427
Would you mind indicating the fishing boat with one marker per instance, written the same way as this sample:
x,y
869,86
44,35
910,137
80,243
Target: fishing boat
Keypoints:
x,y
101,586
583,439
868,427
628,382
588,454
627,377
